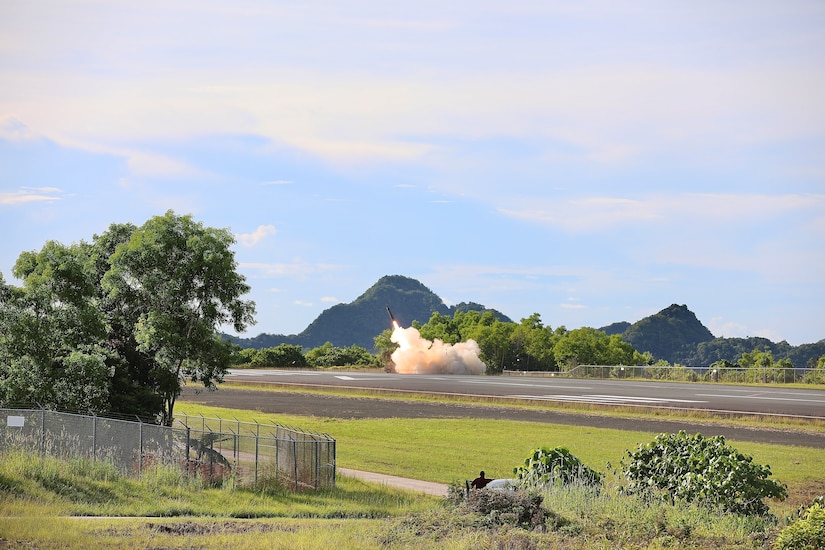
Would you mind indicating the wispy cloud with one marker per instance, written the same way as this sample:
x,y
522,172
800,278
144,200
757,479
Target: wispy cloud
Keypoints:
x,y
252,239
595,214
30,194
12,129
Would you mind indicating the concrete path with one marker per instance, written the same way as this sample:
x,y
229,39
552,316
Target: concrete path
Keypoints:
x,y
427,487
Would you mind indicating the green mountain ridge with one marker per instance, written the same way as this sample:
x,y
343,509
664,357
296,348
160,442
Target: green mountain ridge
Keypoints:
x,y
673,334
677,336
360,321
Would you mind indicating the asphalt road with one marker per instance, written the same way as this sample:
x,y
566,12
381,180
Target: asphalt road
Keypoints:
x,y
709,397
284,402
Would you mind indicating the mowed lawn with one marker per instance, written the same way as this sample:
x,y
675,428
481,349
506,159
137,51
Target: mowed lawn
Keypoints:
x,y
448,450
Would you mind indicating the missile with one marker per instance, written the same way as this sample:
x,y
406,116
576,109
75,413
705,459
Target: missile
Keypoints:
x,y
391,316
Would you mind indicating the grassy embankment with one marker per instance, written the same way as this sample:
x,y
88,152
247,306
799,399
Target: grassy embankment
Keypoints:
x,y
38,495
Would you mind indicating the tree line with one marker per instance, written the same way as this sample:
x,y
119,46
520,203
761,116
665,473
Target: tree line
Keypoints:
x,y
528,345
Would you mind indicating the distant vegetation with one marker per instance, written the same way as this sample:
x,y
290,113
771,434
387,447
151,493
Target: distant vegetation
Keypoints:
x,y
672,336
530,345
358,322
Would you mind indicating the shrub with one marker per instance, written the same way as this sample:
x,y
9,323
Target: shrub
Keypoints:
x,y
806,533
703,470
516,508
556,466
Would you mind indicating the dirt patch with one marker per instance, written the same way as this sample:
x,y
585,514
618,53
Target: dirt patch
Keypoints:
x,y
214,528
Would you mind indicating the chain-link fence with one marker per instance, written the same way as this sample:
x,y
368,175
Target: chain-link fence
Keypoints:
x,y
259,453
251,454
689,374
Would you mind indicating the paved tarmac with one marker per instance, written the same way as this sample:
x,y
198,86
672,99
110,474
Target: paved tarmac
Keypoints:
x,y
279,402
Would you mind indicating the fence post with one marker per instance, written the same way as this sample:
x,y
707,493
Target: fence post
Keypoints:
x,y
317,463
188,443
140,448
94,438
295,460
257,440
42,431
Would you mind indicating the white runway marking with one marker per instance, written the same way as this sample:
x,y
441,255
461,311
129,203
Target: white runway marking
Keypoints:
x,y
243,372
820,401
605,399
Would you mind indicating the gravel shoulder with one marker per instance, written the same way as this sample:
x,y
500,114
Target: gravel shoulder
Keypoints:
x,y
280,402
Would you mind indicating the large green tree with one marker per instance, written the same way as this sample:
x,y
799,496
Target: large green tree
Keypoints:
x,y
181,278
119,324
52,349
588,346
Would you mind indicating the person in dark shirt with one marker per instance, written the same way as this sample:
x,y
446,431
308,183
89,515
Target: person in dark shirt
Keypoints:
x,y
480,482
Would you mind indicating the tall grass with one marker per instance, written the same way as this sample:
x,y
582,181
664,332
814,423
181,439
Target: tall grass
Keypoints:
x,y
184,513
84,488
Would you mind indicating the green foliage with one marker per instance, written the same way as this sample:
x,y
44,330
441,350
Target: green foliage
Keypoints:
x,y
588,346
558,466
806,533
283,356
328,355
668,333
699,469
517,508
118,324
817,374
762,367
528,345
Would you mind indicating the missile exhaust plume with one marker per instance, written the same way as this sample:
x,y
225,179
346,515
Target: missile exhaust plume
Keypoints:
x,y
417,355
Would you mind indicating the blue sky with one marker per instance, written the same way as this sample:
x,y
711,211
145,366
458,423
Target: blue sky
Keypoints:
x,y
589,161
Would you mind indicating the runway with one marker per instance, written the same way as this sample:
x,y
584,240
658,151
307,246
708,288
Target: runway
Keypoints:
x,y
303,404
765,401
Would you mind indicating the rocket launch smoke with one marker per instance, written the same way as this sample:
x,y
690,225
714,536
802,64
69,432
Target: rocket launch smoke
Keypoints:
x,y
417,355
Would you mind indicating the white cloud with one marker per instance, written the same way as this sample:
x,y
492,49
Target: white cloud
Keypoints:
x,y
30,194
12,129
595,214
330,300
252,239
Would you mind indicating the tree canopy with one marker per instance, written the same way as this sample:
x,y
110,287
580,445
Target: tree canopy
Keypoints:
x,y
526,345
119,324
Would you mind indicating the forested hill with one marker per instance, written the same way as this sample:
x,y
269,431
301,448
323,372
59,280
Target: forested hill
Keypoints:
x,y
677,336
360,321
673,334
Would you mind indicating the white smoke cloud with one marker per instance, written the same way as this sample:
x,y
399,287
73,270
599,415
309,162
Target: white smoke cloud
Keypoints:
x,y
417,355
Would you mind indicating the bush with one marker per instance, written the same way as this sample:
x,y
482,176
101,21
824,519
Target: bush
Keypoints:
x,y
703,470
516,508
806,533
556,466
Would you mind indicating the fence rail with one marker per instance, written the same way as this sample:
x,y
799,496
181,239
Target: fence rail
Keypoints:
x,y
688,374
251,454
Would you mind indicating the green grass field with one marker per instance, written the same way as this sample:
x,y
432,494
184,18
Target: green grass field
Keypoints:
x,y
39,499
